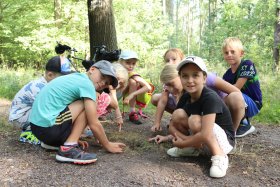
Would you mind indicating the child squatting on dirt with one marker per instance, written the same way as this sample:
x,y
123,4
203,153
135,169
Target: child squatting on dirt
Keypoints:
x,y
24,99
108,101
201,120
242,74
138,91
165,99
174,90
66,105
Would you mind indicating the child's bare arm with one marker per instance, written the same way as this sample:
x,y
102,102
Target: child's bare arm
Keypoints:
x,y
158,139
145,87
115,105
97,128
202,136
225,86
160,110
240,82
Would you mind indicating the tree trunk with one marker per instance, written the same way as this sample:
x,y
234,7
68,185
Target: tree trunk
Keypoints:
x,y
102,29
57,13
276,40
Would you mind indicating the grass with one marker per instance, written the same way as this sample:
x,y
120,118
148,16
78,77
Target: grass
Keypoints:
x,y
12,81
270,112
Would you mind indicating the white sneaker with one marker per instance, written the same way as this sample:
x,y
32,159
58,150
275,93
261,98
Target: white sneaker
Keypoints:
x,y
219,166
177,152
49,147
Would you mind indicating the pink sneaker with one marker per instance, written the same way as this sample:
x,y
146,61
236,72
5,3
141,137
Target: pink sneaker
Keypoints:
x,y
134,118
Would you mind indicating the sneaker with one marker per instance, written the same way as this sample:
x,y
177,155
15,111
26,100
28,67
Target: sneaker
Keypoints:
x,y
49,147
219,166
177,152
134,118
75,155
244,128
29,137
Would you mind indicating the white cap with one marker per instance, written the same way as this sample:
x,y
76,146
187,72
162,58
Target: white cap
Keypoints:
x,y
194,60
126,54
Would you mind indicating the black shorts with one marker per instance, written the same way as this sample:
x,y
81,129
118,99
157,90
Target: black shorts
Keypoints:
x,y
57,134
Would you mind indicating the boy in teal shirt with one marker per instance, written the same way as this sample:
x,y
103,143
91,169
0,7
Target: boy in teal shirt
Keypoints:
x,y
66,106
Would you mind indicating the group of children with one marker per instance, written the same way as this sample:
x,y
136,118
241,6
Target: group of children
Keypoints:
x,y
208,112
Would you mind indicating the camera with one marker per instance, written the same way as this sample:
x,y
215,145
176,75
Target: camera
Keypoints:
x,y
59,49
102,54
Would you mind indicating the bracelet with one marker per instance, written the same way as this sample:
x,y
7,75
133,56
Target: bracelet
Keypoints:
x,y
119,117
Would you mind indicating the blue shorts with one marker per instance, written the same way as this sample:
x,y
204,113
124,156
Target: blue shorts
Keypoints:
x,y
251,106
57,134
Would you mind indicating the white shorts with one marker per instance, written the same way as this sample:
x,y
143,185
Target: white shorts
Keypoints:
x,y
221,137
222,140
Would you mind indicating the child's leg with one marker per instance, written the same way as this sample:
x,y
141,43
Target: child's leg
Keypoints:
x,y
236,105
245,127
155,99
220,161
79,118
103,101
70,152
179,123
132,85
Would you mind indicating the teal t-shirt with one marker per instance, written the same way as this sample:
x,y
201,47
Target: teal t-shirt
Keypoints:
x,y
57,95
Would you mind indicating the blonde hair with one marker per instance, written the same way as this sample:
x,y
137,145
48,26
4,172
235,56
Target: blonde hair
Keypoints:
x,y
233,42
168,73
121,72
177,51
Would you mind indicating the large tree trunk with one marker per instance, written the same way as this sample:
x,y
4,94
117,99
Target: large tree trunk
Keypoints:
x,y
276,41
102,29
57,13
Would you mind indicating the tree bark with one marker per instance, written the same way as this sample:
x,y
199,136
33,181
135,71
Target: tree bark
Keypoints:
x,y
276,40
57,13
102,29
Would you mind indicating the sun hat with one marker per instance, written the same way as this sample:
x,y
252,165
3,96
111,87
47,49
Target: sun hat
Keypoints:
x,y
127,54
193,60
106,68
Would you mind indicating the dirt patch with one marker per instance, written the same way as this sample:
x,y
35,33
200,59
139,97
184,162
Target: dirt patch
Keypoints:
x,y
255,163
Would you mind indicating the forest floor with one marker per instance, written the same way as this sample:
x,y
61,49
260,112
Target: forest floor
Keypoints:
x,y
256,161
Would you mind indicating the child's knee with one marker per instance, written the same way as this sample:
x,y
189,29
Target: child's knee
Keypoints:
x,y
194,122
235,100
179,118
155,99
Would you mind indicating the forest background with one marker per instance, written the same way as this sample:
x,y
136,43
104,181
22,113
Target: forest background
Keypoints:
x,y
29,31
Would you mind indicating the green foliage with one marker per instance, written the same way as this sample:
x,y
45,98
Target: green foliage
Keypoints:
x,y
28,35
12,81
252,22
270,112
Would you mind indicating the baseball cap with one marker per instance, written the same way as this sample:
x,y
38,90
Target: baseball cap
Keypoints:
x,y
127,54
193,60
106,68
56,65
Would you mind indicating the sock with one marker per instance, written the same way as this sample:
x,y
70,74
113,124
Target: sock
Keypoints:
x,y
70,143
